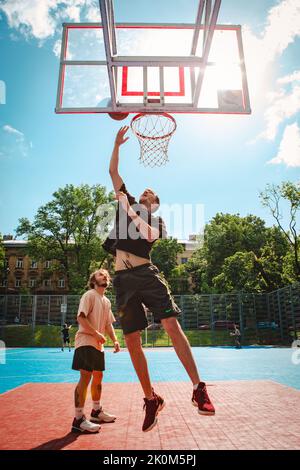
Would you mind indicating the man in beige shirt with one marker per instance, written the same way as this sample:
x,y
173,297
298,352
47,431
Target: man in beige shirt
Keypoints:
x,y
95,319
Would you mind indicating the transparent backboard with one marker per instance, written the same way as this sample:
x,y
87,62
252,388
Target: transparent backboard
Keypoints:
x,y
153,70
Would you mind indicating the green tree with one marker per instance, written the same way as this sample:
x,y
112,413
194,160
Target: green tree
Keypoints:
x,y
164,254
273,198
239,273
179,280
197,267
228,234
239,253
66,229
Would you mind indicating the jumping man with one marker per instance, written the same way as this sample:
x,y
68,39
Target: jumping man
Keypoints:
x,y
138,283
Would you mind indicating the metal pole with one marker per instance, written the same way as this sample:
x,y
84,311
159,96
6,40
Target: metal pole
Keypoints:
x,y
206,50
106,23
182,312
34,307
255,315
49,309
241,312
20,303
280,315
211,313
5,307
293,312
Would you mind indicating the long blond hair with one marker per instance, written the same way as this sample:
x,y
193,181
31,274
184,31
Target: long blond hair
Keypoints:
x,y
92,280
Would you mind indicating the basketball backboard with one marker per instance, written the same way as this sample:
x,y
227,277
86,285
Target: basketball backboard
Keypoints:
x,y
140,68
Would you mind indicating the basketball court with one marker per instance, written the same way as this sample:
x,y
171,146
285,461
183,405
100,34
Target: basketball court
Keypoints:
x,y
258,406
144,75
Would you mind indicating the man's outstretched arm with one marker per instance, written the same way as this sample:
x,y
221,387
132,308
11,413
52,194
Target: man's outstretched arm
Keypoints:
x,y
114,161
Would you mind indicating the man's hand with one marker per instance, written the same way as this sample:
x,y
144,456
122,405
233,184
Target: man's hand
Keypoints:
x,y
99,337
120,138
122,198
117,347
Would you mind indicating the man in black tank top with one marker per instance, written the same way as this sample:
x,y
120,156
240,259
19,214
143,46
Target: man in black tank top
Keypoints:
x,y
139,285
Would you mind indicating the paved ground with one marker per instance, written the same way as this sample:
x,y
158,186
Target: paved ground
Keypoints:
x,y
250,415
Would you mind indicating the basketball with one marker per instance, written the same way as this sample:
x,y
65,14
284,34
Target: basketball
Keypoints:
x,y
118,116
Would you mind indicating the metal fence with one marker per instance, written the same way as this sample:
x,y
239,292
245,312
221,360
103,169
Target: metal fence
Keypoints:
x,y
278,311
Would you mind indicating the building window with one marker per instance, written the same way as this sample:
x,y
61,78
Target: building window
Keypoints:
x,y
32,282
47,264
19,263
4,283
61,283
18,283
45,301
184,260
33,265
47,282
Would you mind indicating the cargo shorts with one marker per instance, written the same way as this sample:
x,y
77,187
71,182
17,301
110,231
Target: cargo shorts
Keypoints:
x,y
140,287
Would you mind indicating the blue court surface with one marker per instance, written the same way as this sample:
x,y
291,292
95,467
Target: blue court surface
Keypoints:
x,y
46,365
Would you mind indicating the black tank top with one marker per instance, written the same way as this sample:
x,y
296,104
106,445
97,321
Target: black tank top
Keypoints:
x,y
125,235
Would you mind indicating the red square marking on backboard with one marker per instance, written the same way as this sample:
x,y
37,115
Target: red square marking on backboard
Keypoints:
x,y
126,92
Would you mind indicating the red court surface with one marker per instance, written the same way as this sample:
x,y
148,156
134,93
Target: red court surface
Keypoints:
x,y
250,415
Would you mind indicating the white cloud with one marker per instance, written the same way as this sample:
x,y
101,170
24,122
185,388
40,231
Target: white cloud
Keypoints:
x,y
93,14
12,130
282,105
57,48
30,17
41,18
282,28
13,142
289,149
294,77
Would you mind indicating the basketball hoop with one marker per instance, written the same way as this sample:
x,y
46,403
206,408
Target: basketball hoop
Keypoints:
x,y
154,132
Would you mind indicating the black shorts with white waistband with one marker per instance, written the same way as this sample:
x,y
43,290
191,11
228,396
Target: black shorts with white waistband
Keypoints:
x,y
140,287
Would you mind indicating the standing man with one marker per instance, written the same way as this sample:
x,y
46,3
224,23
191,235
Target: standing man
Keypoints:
x,y
237,337
138,282
95,319
65,333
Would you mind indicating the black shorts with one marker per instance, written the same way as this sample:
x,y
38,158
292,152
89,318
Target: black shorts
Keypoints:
x,y
141,287
88,358
66,339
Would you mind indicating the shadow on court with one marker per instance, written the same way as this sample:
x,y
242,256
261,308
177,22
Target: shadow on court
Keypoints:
x,y
58,444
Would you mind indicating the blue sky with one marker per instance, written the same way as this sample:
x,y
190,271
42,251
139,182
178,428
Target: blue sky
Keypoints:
x,y
221,162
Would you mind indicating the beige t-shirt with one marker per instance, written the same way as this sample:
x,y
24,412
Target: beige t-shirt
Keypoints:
x,y
97,309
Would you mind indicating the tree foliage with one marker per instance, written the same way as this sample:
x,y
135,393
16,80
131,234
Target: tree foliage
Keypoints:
x,y
164,254
66,229
274,197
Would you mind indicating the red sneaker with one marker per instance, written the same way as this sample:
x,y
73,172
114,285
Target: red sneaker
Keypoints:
x,y
152,407
201,399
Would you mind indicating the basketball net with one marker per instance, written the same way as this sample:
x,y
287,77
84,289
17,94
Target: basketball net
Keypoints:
x,y
154,132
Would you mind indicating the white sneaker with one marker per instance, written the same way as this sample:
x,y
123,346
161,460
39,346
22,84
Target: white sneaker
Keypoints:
x,y
101,416
83,425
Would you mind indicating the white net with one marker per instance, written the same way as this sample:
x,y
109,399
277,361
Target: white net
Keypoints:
x,y
154,132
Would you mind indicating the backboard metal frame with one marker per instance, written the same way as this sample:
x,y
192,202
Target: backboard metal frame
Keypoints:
x,y
155,103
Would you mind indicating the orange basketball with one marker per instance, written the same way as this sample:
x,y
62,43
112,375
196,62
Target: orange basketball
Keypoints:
x,y
118,116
